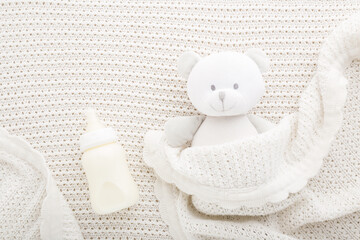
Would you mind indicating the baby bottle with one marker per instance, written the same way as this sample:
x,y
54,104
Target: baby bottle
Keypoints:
x,y
110,183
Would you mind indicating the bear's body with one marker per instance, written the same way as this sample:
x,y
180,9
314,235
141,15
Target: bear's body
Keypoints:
x,y
219,130
224,87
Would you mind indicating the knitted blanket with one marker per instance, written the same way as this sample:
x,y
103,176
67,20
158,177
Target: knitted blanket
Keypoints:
x,y
31,205
206,191
59,57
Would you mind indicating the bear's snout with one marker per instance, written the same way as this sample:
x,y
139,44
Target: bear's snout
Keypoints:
x,y
221,95
223,100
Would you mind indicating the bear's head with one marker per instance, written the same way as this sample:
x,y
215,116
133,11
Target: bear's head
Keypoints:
x,y
226,83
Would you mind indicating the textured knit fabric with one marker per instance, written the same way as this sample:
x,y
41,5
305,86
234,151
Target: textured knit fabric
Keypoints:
x,y
59,57
31,204
194,172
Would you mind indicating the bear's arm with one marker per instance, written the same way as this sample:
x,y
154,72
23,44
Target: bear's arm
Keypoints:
x,y
180,130
261,124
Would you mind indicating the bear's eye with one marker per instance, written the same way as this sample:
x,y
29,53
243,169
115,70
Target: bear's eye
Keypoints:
x,y
236,86
213,87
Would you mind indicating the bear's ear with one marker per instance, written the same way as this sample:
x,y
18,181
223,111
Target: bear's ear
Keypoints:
x,y
186,63
259,58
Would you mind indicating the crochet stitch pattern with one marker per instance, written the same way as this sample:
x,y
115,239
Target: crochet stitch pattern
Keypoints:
x,y
59,57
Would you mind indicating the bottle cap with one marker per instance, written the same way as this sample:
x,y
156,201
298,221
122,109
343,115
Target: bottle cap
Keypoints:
x,y
97,138
96,133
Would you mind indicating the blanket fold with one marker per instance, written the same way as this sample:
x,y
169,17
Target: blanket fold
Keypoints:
x,y
32,206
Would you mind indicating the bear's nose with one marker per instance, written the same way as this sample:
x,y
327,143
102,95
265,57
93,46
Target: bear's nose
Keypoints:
x,y
221,95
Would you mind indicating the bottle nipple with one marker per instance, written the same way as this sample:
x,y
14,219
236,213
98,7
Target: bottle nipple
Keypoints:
x,y
93,122
96,133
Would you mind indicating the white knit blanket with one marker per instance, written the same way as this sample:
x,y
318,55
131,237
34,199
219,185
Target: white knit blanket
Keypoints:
x,y
31,205
200,187
59,57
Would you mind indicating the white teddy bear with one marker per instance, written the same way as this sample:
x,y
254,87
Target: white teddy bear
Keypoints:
x,y
224,87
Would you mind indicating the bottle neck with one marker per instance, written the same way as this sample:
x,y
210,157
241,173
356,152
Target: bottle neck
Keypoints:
x,y
97,138
99,146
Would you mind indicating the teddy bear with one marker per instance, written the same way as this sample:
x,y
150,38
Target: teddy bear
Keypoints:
x,y
223,87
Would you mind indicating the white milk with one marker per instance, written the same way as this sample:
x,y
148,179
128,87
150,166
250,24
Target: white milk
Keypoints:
x,y
110,183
